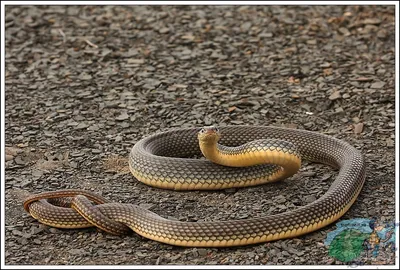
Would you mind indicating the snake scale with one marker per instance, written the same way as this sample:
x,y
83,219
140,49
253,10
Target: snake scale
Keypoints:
x,y
161,160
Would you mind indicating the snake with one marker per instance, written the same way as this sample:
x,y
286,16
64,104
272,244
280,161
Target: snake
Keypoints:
x,y
211,158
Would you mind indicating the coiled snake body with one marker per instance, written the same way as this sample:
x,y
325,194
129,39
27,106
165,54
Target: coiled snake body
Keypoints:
x,y
159,160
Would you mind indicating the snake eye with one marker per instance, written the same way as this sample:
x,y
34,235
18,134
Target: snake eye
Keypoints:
x,y
214,128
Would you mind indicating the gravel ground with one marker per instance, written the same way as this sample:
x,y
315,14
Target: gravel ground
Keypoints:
x,y
84,84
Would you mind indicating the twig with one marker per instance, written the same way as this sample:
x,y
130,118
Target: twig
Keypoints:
x,y
63,35
91,44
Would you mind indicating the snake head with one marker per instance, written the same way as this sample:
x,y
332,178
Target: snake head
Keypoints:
x,y
209,134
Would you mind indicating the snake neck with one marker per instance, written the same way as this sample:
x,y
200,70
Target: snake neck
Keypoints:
x,y
254,153
211,151
231,156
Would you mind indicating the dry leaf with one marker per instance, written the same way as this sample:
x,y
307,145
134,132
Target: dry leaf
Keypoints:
x,y
328,71
335,95
231,109
293,80
358,128
364,79
116,164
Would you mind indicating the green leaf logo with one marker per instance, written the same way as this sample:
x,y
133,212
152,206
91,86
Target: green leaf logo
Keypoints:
x,y
347,245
